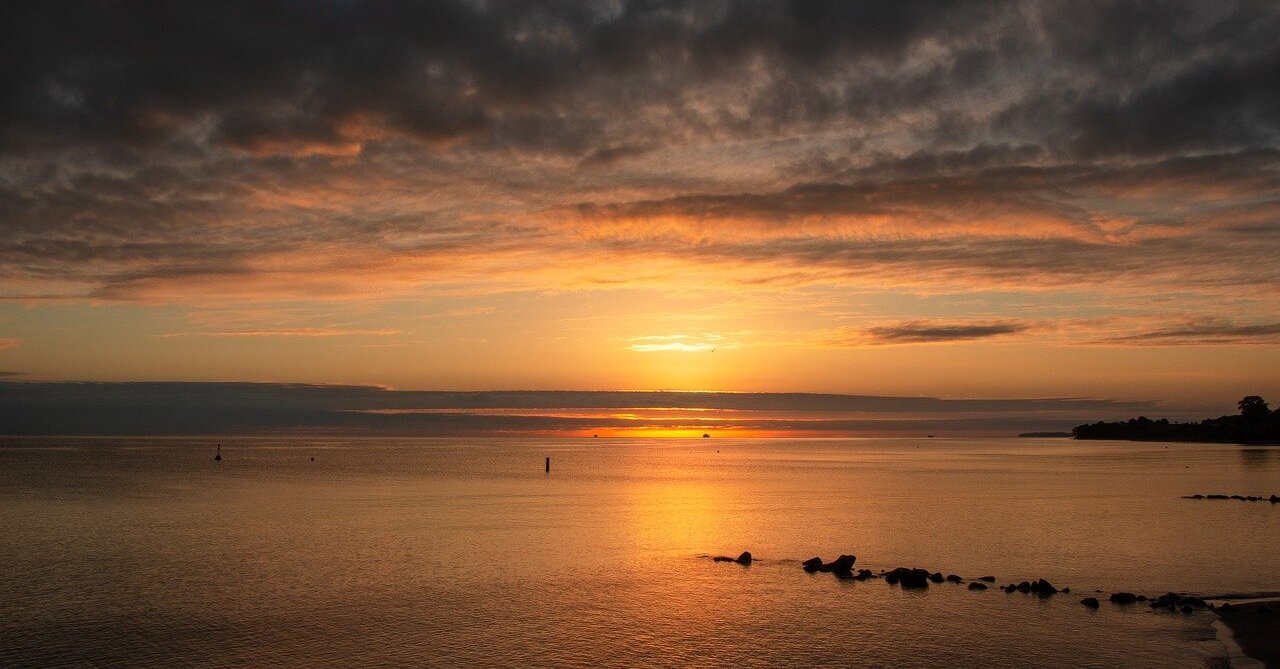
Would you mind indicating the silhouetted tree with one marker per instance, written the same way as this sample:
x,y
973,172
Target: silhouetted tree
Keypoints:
x,y
1253,408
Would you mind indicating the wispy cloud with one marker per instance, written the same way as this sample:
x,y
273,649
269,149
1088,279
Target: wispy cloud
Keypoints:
x,y
930,332
1203,332
291,332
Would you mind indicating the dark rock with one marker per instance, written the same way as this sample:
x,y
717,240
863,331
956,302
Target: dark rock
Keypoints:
x,y
988,579
1237,497
1091,602
908,578
843,563
1274,499
812,564
977,586
744,558
1216,497
1195,602
1024,587
936,577
1187,609
1066,591
1044,588
1124,597
864,574
954,578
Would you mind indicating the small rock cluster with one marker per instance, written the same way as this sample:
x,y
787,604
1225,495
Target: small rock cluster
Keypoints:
x,y
916,578
1173,602
1040,587
842,566
1274,499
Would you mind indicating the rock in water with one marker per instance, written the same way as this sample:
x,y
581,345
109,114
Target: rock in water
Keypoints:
x,y
840,564
954,578
1045,588
936,577
812,564
909,578
744,558
1091,602
977,586
1124,597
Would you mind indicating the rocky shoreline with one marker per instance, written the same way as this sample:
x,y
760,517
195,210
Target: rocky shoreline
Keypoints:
x,y
1255,624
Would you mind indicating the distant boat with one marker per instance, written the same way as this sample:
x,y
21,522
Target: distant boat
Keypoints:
x,y
217,457
705,435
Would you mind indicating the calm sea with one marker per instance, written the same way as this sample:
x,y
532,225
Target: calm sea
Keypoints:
x,y
463,553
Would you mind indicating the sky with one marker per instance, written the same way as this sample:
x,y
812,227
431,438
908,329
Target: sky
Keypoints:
x,y
919,198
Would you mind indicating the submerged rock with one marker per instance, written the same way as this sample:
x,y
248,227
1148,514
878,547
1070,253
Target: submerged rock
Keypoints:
x,y
1044,588
1124,597
954,578
936,577
864,574
812,564
988,579
1091,602
744,558
977,586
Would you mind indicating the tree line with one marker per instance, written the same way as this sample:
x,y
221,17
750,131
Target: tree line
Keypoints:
x,y
1255,424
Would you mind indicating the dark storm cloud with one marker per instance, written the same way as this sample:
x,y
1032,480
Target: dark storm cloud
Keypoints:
x,y
269,74
932,332
282,72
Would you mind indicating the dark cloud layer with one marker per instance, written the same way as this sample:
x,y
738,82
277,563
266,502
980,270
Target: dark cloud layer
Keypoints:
x,y
279,149
1135,77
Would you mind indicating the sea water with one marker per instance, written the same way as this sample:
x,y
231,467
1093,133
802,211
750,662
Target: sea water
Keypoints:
x,y
336,552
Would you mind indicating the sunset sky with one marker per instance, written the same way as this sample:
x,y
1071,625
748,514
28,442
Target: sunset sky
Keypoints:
x,y
942,199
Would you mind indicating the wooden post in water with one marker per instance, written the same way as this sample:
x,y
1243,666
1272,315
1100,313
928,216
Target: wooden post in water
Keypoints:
x,y
548,465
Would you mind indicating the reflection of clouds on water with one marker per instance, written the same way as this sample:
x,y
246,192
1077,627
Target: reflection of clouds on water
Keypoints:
x,y
1258,458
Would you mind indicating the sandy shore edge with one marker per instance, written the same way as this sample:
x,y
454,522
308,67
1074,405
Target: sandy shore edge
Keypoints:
x,y
1250,629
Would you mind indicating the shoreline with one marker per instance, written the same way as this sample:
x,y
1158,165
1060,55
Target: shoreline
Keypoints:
x,y
1252,630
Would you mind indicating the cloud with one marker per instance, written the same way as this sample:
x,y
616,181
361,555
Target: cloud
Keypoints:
x,y
291,332
1203,332
337,152
934,332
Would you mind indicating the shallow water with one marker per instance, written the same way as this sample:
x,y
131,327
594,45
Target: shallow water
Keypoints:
x,y
146,553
